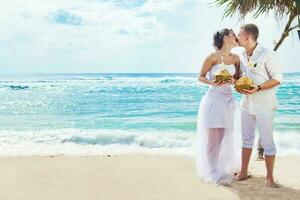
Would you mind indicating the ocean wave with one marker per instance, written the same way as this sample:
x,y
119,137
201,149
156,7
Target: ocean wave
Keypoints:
x,y
111,78
78,142
99,142
169,81
289,79
142,140
18,87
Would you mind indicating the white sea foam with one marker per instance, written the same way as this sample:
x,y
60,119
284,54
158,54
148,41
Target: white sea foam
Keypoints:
x,y
92,142
103,142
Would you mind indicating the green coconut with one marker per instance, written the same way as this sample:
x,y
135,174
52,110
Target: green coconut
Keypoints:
x,y
244,83
222,75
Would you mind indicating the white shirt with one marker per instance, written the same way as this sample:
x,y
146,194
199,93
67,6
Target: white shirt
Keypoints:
x,y
261,67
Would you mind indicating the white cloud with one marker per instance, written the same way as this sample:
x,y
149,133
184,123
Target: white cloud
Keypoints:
x,y
112,36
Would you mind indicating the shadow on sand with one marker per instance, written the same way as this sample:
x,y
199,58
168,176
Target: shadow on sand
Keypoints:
x,y
255,189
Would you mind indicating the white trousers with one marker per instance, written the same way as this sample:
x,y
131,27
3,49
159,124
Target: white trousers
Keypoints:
x,y
264,123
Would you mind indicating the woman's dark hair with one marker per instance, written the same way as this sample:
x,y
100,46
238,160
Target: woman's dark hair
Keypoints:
x,y
219,36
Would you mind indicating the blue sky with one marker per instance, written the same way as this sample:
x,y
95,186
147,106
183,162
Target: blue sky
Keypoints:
x,y
105,36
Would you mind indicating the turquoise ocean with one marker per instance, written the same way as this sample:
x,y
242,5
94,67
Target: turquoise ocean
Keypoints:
x,y
95,114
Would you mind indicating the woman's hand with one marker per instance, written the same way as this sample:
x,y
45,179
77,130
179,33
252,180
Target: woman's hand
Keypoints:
x,y
231,81
220,83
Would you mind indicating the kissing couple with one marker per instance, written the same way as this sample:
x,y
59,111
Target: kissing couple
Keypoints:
x,y
219,157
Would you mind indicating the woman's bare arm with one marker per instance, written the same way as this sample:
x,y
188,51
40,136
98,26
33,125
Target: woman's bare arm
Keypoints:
x,y
206,66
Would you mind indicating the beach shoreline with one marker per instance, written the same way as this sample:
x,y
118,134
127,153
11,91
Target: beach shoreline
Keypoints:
x,y
135,176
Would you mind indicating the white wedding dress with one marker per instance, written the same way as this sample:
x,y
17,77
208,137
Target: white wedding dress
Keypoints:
x,y
218,142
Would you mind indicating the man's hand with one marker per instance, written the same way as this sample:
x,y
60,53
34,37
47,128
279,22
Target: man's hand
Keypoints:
x,y
248,92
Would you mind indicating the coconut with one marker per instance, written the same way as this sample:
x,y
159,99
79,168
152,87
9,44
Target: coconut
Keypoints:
x,y
244,83
222,75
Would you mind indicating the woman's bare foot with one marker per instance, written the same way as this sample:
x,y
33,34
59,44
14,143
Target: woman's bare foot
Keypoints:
x,y
240,177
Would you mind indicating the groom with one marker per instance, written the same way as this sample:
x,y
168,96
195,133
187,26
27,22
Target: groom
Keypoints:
x,y
259,104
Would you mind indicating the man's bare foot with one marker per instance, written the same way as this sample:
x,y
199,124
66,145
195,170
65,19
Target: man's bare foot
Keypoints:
x,y
271,184
240,177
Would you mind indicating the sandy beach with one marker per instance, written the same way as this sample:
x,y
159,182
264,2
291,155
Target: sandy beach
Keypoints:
x,y
131,177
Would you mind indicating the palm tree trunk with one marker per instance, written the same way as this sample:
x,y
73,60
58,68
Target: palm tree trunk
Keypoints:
x,y
287,29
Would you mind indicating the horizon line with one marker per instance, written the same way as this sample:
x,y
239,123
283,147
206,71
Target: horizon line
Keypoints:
x,y
47,73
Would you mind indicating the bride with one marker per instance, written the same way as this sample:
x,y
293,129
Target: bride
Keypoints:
x,y
217,157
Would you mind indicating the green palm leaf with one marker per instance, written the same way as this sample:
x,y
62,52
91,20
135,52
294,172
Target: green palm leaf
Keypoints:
x,y
289,8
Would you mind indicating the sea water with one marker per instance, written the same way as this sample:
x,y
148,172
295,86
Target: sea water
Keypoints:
x,y
95,114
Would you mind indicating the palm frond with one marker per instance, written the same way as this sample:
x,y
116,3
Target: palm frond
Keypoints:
x,y
244,7
289,8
